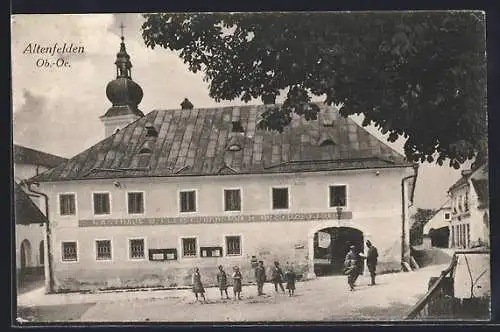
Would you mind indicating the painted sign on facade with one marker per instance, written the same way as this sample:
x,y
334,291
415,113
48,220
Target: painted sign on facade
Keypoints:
x,y
212,219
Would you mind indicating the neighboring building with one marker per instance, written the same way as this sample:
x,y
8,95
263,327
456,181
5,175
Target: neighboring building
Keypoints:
x,y
436,230
29,219
190,187
469,204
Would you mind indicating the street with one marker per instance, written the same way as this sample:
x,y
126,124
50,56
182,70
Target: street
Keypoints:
x,y
321,299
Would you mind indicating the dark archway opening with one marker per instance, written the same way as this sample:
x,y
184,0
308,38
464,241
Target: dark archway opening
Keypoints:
x,y
331,246
440,237
25,254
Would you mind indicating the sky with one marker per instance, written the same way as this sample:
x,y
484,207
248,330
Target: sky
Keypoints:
x,y
57,109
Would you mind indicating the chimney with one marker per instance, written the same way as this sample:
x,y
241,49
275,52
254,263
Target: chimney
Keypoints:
x,y
186,104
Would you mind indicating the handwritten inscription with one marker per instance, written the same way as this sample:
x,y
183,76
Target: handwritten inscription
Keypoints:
x,y
213,219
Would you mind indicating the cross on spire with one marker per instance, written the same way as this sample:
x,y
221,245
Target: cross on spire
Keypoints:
x,y
121,28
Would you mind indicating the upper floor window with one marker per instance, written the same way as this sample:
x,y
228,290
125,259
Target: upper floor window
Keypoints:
x,y
188,201
135,202
447,216
101,203
466,201
69,251
232,200
280,198
338,196
67,205
460,198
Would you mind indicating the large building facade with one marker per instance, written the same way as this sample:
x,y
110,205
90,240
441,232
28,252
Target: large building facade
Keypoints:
x,y
469,197
184,188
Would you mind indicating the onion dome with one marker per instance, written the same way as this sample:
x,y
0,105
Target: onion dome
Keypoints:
x,y
123,92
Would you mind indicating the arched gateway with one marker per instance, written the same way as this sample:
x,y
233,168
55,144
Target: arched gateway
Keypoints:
x,y
328,244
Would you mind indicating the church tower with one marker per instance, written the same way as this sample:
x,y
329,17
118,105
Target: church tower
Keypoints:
x,y
124,94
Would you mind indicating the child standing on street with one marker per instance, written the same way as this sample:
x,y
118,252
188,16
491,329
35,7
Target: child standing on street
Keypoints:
x,y
222,281
237,282
290,278
197,284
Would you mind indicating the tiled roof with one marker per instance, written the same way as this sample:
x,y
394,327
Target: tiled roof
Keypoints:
x,y
480,171
195,142
24,155
26,211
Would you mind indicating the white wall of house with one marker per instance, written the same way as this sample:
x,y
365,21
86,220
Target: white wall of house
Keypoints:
x,y
467,228
442,218
33,233
374,200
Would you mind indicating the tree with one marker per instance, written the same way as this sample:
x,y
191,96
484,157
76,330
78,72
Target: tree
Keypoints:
x,y
420,75
419,219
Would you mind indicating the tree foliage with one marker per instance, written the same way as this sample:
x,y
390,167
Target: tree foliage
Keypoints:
x,y
420,75
419,219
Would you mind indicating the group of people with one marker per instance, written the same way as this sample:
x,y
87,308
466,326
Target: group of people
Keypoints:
x,y
277,278
353,264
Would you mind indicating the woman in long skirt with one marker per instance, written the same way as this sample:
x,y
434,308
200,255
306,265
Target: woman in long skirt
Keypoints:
x,y
290,278
197,284
237,282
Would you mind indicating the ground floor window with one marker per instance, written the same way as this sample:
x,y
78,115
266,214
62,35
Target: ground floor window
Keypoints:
x,y
468,235
103,250
233,245
136,248
69,251
189,247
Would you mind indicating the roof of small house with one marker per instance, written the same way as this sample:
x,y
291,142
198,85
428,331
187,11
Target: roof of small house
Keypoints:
x,y
24,155
26,211
480,172
192,142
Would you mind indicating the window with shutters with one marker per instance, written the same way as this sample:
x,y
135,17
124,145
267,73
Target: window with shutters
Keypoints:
x,y
69,251
232,200
135,202
233,245
103,250
67,204
136,249
338,196
280,198
189,247
188,201
102,205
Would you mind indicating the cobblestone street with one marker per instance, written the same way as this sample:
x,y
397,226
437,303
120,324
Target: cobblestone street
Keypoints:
x,y
322,299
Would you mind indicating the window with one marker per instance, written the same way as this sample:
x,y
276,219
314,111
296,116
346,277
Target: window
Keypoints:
x,y
67,206
468,235
338,196
233,245
188,201
280,198
460,203
101,203
136,248
189,247
452,236
69,253
103,250
136,203
466,201
232,200
447,216
211,251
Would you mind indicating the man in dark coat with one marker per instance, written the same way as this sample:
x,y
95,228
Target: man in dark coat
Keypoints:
x,y
277,277
371,260
260,277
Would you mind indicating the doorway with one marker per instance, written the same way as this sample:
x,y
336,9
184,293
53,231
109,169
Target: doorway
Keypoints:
x,y
25,254
331,246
